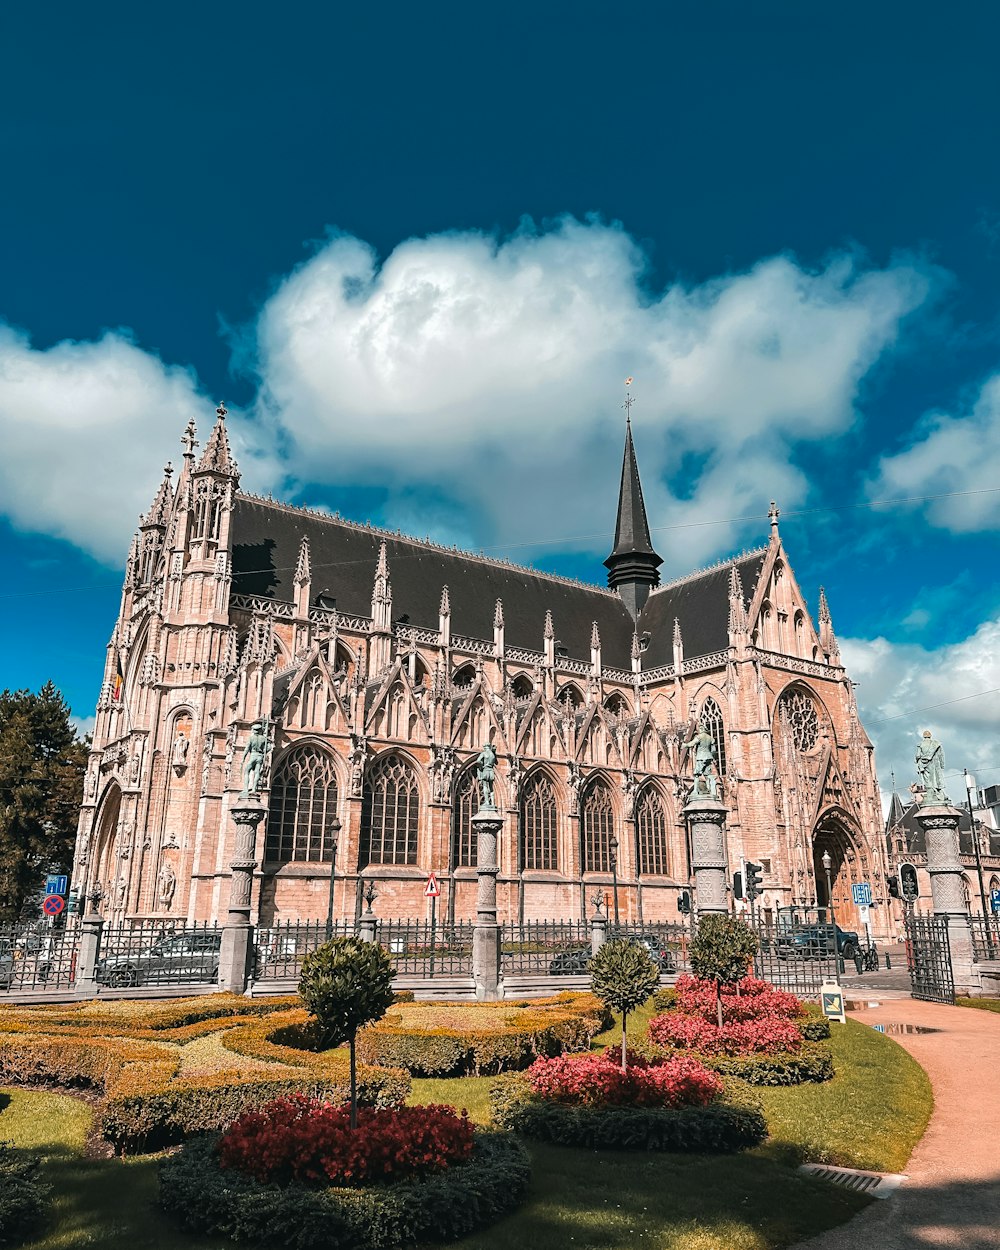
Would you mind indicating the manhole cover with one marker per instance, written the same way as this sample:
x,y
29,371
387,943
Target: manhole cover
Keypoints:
x,y
892,1027
874,1184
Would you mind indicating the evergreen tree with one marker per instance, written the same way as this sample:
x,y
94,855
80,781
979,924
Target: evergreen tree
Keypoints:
x,y
42,763
623,976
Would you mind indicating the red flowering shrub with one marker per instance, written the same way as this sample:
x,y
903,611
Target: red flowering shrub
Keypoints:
x,y
755,999
597,1080
304,1139
767,1035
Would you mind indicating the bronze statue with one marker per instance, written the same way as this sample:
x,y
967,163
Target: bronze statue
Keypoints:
x,y
485,772
930,767
254,755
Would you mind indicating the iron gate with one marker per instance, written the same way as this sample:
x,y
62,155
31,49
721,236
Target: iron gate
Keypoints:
x,y
928,957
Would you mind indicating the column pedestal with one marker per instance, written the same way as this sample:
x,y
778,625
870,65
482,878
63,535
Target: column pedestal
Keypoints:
x,y
236,953
487,823
706,821
944,867
91,928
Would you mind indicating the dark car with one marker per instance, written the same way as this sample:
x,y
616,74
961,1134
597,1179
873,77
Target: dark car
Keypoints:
x,y
576,962
572,963
817,940
182,957
6,963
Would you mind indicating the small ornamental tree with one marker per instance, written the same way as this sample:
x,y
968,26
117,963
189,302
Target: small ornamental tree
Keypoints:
x,y
623,976
721,952
346,984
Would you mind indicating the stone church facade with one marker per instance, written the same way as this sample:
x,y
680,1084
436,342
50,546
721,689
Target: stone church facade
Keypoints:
x,y
380,664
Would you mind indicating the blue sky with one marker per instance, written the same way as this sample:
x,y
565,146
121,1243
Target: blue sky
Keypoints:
x,y
417,249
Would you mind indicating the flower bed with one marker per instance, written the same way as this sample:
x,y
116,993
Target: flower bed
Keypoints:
x,y
731,1122
763,1037
438,1206
304,1139
444,1039
596,1079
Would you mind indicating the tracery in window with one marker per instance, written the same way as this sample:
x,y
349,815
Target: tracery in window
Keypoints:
x,y
463,832
651,831
302,807
598,828
539,824
798,711
390,813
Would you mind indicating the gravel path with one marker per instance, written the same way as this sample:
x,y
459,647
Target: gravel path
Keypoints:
x,y
952,1194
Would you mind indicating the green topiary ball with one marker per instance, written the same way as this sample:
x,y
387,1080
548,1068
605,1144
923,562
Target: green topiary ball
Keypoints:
x,y
623,975
346,984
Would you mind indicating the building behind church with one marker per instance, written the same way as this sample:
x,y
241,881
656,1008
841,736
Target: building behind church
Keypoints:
x,y
380,664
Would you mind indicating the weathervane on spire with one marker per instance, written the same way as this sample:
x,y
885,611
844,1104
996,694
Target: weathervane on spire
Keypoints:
x,y
629,401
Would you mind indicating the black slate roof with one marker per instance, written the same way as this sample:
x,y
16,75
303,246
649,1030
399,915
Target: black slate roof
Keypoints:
x,y
905,818
701,603
266,536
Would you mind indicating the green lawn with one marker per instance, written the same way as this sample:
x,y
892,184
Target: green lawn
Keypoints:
x,y
982,1004
870,1114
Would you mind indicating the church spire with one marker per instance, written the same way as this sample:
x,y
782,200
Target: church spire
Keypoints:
x,y
633,564
827,638
217,457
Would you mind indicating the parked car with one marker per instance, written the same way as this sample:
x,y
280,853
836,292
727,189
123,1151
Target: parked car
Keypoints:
x,y
6,963
576,962
816,940
182,957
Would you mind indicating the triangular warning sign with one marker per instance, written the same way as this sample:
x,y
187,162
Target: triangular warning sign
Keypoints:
x,y
432,889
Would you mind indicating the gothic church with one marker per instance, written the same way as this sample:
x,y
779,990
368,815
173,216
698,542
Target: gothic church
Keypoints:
x,y
380,664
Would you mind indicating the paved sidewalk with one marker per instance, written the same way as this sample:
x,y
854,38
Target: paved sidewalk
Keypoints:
x,y
952,1194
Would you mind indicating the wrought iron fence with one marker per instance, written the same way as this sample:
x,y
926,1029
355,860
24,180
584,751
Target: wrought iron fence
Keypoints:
x,y
280,949
555,947
928,957
158,952
665,940
38,956
985,937
419,948
797,956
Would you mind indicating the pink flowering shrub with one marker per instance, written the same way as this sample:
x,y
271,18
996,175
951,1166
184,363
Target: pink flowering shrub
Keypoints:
x,y
597,1080
755,999
759,1020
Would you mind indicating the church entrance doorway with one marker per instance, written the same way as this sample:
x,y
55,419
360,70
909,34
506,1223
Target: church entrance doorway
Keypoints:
x,y
848,868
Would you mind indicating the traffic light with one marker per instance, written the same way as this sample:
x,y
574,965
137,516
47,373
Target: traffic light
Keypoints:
x,y
684,902
894,890
753,882
737,885
73,902
909,887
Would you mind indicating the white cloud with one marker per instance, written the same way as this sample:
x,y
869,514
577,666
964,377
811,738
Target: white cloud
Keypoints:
x,y
494,368
951,453
85,429
895,679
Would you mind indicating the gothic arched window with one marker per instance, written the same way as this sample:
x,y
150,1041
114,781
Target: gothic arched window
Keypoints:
x,y
651,832
598,828
303,805
798,711
539,824
463,832
711,720
390,813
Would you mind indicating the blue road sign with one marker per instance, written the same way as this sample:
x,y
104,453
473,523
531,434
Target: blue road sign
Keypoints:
x,y
56,885
862,894
995,901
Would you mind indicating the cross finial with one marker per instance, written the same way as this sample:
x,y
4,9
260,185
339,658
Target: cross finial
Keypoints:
x,y
772,515
168,469
629,400
188,440
221,411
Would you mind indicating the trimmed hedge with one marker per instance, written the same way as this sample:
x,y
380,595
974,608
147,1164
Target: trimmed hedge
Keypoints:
x,y
811,1063
441,1207
454,1039
144,1107
22,1194
726,1126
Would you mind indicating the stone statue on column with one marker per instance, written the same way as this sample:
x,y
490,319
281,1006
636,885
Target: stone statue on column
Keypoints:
x,y
485,775
254,756
930,767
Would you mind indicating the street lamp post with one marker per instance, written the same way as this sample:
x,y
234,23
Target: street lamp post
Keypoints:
x,y
970,790
334,831
614,873
827,865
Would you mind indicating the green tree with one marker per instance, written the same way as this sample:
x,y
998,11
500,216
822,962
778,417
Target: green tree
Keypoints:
x,y
721,952
346,984
623,976
42,763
